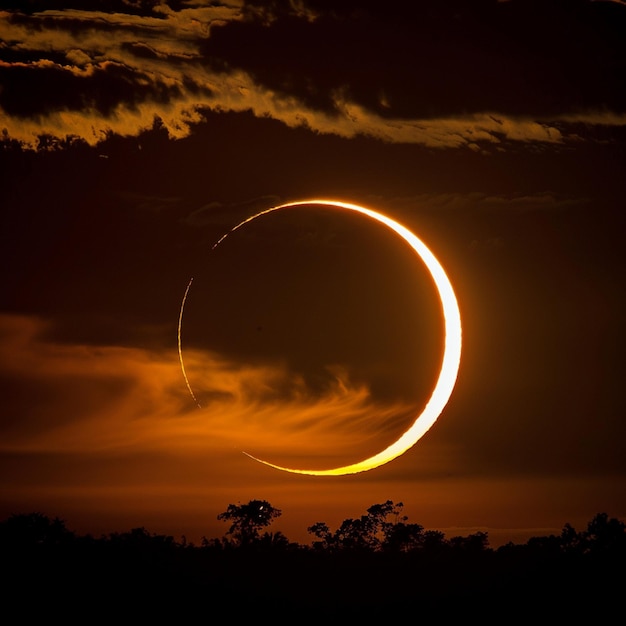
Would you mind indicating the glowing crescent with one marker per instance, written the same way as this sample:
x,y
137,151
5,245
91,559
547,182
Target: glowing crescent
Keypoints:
x,y
452,344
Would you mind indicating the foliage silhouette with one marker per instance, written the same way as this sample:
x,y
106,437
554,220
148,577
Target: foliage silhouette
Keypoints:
x,y
475,542
371,532
604,535
32,529
367,567
248,519
376,532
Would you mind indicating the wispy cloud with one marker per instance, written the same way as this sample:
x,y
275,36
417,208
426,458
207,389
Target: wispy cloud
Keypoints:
x,y
107,399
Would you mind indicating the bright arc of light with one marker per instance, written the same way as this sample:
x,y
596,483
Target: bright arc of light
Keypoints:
x,y
180,343
452,343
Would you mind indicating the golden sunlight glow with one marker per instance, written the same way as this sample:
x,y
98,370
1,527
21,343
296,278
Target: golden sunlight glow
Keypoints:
x,y
452,342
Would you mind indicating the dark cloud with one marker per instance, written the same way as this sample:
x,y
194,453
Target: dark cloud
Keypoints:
x,y
87,73
228,215
32,90
426,59
135,7
483,75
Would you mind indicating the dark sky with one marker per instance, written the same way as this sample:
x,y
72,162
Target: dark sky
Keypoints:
x,y
135,134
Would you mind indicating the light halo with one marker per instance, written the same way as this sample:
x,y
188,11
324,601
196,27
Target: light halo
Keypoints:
x,y
452,342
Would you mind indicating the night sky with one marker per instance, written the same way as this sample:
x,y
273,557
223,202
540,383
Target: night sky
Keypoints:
x,y
136,133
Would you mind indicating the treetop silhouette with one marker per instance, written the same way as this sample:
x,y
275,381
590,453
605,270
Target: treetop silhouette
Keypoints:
x,y
247,520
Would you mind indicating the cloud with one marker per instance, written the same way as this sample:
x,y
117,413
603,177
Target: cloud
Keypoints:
x,y
108,399
428,60
89,73
445,77
475,202
223,214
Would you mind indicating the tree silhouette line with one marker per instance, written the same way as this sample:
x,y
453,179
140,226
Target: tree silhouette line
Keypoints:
x,y
383,528
364,568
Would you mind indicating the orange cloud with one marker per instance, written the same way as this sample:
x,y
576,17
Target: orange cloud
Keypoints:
x,y
108,399
175,83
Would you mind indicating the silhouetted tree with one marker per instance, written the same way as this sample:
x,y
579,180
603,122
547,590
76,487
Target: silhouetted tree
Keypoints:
x,y
570,540
549,545
33,529
373,531
475,542
139,539
434,541
275,541
248,519
355,534
380,526
403,537
605,534
213,543
322,532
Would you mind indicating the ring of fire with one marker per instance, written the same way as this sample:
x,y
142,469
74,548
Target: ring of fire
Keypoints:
x,y
452,342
